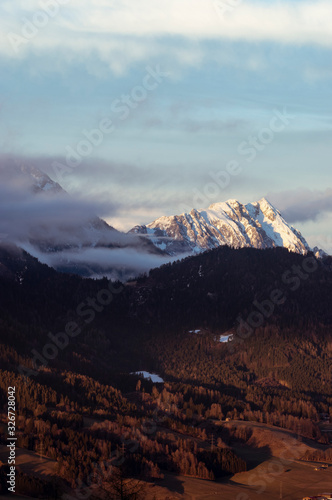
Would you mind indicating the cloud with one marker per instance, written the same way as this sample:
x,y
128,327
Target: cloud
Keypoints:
x,y
114,263
121,33
63,231
28,212
140,193
109,188
298,22
302,205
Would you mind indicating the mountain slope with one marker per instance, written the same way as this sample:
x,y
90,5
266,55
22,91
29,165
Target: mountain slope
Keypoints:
x,y
18,174
37,214
257,225
40,181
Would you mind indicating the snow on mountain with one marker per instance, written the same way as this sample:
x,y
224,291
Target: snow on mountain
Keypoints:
x,y
65,232
34,179
41,181
257,225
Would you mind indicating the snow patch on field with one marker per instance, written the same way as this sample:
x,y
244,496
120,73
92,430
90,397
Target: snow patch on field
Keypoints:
x,y
225,338
150,376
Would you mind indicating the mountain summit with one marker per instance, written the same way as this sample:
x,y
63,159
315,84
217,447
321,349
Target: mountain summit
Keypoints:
x,y
257,225
34,179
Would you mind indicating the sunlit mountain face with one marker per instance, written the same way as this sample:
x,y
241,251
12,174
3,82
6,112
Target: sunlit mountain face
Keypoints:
x,y
256,225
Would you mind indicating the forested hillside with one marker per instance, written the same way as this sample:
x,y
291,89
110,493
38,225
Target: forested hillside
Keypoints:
x,y
69,344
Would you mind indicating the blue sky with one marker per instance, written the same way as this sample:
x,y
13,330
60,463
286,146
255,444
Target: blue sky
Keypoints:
x,y
231,65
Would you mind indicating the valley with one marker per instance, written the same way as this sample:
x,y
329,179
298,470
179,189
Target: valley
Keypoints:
x,y
217,419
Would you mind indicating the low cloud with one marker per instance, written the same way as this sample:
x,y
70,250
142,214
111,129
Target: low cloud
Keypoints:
x,y
28,211
64,231
118,263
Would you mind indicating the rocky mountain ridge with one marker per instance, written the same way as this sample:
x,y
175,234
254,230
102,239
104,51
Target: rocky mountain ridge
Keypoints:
x,y
256,225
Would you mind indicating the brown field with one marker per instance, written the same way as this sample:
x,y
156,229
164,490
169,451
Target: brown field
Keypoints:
x,y
270,480
267,481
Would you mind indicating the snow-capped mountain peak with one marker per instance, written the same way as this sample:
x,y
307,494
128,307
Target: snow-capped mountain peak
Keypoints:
x,y
257,225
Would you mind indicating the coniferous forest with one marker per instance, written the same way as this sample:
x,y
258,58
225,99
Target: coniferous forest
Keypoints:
x,y
71,346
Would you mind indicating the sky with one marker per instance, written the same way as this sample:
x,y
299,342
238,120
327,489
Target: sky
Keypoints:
x,y
151,107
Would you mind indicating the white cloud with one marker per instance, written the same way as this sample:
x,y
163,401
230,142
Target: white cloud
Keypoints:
x,y
122,32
